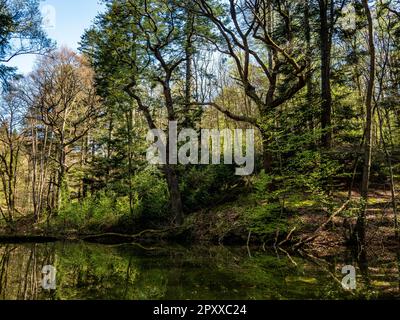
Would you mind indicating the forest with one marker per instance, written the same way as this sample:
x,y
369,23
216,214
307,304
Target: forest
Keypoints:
x,y
318,82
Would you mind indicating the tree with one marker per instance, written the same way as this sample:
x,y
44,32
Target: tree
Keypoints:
x,y
251,40
368,123
11,144
61,94
21,33
326,14
153,40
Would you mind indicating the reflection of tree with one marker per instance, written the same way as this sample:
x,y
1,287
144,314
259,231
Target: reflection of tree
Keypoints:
x,y
4,269
21,271
95,272
128,276
363,266
87,271
398,267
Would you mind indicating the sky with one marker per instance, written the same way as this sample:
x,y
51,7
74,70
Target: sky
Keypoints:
x,y
71,18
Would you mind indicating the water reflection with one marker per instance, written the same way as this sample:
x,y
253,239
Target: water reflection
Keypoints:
x,y
88,271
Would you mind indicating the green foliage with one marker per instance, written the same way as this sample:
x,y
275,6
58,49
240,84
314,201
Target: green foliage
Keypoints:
x,y
208,186
21,32
312,173
98,212
107,209
151,192
265,217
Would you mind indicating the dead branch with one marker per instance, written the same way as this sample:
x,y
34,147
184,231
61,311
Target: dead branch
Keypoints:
x,y
321,227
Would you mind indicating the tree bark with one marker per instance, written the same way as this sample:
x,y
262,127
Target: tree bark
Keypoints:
x,y
188,121
174,193
360,228
326,94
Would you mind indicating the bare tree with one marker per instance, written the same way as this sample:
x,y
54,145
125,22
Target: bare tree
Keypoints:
x,y
11,138
62,93
249,39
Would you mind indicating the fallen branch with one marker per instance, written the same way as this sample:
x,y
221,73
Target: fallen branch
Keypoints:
x,y
248,244
289,257
287,238
321,227
129,236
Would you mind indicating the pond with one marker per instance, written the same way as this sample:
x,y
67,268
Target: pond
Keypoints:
x,y
93,271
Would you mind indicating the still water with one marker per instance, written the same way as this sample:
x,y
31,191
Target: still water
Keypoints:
x,y
91,271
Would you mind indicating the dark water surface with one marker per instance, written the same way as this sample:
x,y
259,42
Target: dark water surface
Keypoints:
x,y
91,271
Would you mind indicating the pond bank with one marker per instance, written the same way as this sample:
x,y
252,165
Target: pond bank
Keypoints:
x,y
224,228
319,233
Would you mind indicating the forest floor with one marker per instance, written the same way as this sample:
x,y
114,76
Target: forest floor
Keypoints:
x,y
224,225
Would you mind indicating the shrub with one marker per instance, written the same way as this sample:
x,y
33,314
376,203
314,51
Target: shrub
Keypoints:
x,y
151,194
203,186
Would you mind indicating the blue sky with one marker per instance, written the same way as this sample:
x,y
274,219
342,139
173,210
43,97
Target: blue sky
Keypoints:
x,y
72,17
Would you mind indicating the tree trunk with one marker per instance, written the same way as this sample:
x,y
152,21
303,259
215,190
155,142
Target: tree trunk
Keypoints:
x,y
129,125
309,85
61,175
368,126
188,119
326,94
34,172
391,174
174,193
